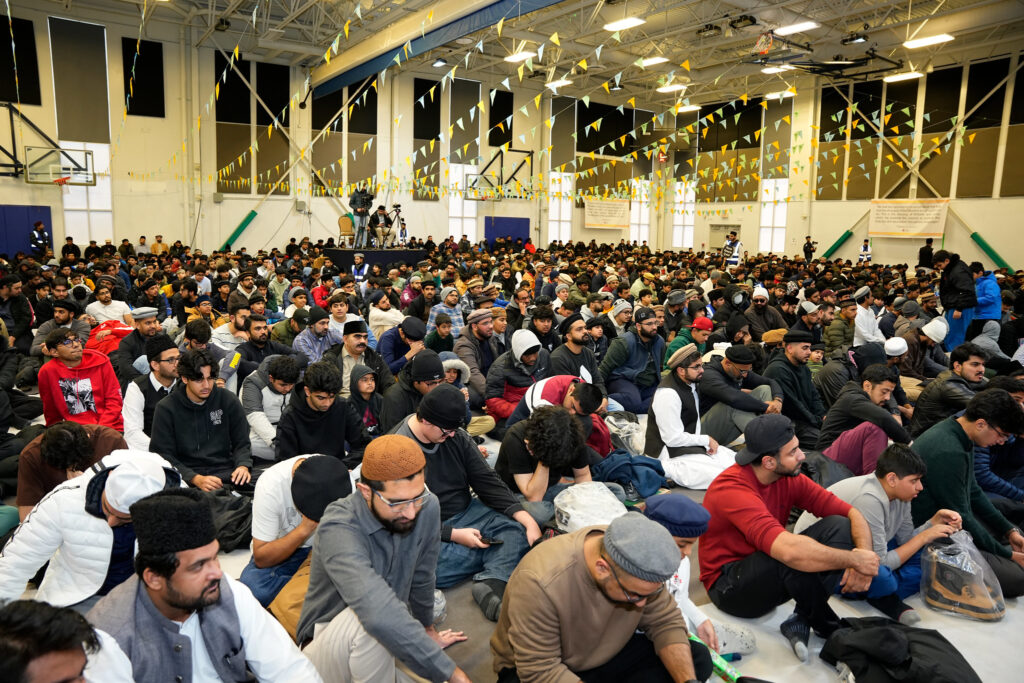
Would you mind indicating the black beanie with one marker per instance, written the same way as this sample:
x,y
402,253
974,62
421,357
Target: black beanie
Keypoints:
x,y
173,520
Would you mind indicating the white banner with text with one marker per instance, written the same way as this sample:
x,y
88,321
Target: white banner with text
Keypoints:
x,y
607,213
908,218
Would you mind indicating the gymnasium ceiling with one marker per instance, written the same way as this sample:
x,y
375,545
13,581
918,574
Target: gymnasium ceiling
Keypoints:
x,y
721,58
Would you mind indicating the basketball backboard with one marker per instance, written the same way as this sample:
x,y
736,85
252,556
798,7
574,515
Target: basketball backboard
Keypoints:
x,y
46,165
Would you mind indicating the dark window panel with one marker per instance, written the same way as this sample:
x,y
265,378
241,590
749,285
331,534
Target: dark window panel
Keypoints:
x,y
148,85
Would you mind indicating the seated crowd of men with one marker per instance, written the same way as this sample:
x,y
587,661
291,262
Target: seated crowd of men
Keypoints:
x,y
347,411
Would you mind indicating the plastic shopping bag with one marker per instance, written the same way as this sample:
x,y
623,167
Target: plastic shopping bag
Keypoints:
x,y
586,504
956,578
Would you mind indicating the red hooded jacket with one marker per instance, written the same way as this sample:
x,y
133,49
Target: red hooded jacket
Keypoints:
x,y
87,394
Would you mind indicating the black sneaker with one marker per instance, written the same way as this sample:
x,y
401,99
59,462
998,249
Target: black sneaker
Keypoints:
x,y
632,495
797,631
478,440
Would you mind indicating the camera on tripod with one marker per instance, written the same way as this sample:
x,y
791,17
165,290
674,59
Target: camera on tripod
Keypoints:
x,y
396,206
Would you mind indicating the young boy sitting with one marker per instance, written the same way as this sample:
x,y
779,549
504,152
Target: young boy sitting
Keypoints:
x,y
440,339
883,497
686,520
456,373
366,399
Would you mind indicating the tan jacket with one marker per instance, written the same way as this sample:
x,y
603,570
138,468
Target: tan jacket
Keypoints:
x,y
555,620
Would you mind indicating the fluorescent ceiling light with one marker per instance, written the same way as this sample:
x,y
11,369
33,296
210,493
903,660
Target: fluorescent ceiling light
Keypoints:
x,y
623,24
905,76
675,87
839,59
925,42
687,108
554,85
777,69
438,63
796,28
778,95
651,61
520,56
854,38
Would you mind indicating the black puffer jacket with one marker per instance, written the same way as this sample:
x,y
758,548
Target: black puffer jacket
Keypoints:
x,y
956,288
945,395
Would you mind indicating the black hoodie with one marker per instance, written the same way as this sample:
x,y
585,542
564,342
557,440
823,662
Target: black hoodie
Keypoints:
x,y
208,438
303,430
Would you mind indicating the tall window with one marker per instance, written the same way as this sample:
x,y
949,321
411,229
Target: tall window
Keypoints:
x,y
683,214
772,237
559,206
640,210
461,209
88,213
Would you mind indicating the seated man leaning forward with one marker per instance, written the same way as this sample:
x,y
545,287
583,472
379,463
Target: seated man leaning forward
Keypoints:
x,y
750,564
370,602
455,470
179,617
592,606
883,497
289,501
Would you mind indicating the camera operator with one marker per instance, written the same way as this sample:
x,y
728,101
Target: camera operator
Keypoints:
x,y
809,249
380,223
360,202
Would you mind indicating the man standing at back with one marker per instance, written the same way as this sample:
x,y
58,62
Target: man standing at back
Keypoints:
x,y
956,294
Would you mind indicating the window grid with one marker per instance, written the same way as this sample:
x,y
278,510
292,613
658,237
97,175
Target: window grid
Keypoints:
x,y
683,214
560,206
640,210
462,211
772,235
88,210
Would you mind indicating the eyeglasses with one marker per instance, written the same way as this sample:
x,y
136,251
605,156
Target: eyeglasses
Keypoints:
x,y
170,360
631,597
416,502
1002,435
433,382
70,341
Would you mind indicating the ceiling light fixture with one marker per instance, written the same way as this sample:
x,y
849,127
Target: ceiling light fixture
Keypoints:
x,y
520,56
926,42
623,24
438,63
651,61
709,31
687,109
905,76
854,38
777,69
675,87
802,27
779,95
838,60
743,21
555,85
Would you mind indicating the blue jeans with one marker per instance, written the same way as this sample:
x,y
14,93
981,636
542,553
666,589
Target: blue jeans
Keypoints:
x,y
904,581
360,221
543,510
266,583
456,563
632,398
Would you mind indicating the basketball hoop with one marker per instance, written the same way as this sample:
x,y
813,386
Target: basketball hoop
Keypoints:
x,y
764,43
62,183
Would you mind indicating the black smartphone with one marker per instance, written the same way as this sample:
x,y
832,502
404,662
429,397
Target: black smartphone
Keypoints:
x,y
492,541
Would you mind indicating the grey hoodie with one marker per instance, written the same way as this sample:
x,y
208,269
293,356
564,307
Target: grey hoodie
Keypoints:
x,y
989,340
263,406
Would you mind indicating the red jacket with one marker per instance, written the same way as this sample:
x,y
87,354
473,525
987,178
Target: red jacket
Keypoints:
x,y
320,296
87,394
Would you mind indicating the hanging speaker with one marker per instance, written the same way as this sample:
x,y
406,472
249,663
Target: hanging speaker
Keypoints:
x,y
300,206
218,197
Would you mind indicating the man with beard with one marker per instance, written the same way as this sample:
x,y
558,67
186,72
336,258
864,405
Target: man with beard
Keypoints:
x,y
314,341
762,317
133,346
180,617
808,322
232,333
750,564
372,576
421,305
574,357
632,367
952,389
475,349
838,335
260,346
802,404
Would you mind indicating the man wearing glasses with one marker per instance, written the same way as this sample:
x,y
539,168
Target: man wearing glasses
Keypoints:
x,y
947,448
78,384
691,458
732,394
482,537
575,609
371,585
145,391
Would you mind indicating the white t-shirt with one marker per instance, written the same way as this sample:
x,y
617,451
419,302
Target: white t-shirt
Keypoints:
x,y
273,512
115,310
